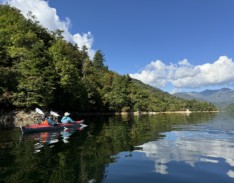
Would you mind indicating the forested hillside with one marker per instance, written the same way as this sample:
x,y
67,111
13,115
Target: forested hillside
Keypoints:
x,y
38,68
223,98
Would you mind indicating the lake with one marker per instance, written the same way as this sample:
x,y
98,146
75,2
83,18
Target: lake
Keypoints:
x,y
165,148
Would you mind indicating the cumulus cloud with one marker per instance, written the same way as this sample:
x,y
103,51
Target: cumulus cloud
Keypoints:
x,y
186,75
48,18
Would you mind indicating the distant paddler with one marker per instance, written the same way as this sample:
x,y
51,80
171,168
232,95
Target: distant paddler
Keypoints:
x,y
66,118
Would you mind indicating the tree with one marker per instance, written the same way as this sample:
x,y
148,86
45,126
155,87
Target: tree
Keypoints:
x,y
9,18
98,60
36,75
67,64
40,68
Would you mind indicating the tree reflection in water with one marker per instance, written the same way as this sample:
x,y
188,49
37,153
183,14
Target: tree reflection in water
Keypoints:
x,y
90,151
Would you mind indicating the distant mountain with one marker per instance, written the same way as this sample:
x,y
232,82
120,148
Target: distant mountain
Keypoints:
x,y
221,98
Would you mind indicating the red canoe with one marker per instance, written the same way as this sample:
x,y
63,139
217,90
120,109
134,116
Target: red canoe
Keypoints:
x,y
42,128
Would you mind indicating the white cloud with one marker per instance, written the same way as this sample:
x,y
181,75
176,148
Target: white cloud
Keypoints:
x,y
49,19
185,75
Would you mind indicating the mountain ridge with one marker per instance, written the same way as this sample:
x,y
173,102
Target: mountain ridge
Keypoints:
x,y
220,97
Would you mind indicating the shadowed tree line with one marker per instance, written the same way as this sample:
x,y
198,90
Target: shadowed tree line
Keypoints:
x,y
38,68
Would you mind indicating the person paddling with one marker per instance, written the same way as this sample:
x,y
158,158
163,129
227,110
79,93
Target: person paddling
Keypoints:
x,y
44,121
66,118
51,121
48,120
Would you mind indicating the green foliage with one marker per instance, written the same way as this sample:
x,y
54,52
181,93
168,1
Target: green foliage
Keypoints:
x,y
39,68
67,66
98,60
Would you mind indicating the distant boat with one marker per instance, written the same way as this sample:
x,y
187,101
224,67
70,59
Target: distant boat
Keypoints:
x,y
188,111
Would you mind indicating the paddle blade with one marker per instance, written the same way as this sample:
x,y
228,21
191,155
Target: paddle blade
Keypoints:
x,y
39,111
82,126
54,114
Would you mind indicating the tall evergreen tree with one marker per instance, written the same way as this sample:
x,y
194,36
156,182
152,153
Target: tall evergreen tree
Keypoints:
x,y
67,65
98,60
36,77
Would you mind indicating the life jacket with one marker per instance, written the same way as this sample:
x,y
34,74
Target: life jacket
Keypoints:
x,y
45,122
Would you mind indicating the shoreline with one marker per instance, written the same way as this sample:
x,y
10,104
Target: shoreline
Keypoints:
x,y
166,112
19,118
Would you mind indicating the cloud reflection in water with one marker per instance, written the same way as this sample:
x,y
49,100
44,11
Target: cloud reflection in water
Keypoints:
x,y
191,147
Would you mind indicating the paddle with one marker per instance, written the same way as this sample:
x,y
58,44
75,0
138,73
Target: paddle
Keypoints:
x,y
39,111
54,114
82,126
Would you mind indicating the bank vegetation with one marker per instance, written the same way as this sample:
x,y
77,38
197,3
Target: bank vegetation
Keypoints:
x,y
38,68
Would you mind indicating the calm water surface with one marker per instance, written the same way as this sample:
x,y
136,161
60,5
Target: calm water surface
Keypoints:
x,y
166,148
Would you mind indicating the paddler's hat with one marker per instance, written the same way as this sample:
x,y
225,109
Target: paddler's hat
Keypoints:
x,y
66,114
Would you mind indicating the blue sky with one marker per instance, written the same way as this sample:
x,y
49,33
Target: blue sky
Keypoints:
x,y
174,45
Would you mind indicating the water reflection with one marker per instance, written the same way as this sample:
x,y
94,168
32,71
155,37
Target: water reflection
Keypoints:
x,y
106,151
66,133
192,147
42,138
50,138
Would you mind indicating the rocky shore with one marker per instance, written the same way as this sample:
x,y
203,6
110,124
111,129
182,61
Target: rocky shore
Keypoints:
x,y
18,118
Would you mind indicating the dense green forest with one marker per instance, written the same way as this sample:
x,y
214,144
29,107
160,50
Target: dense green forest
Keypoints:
x,y
38,68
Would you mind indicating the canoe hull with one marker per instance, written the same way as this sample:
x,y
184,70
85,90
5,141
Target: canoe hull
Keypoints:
x,y
42,128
